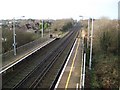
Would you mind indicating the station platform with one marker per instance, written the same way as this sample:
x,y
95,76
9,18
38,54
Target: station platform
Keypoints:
x,y
70,77
10,62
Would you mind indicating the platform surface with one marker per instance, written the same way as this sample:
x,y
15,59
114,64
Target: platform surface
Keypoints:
x,y
11,62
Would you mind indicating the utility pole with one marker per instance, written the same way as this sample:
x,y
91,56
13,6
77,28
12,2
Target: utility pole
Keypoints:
x,y
91,46
88,32
49,27
49,32
14,37
42,27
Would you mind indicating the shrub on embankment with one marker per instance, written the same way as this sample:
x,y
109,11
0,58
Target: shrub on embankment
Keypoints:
x,y
105,62
105,53
21,39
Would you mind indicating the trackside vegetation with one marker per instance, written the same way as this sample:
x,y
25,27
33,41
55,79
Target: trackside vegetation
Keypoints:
x,y
105,62
24,37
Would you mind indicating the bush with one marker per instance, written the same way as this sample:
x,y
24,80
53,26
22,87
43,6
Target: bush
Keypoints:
x,y
67,26
105,36
106,71
105,54
21,39
62,24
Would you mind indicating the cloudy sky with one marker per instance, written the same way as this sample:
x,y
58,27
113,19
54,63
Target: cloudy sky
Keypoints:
x,y
57,9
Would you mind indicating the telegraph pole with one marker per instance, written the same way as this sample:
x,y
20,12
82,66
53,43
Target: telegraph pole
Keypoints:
x,y
14,37
49,27
42,27
91,46
88,33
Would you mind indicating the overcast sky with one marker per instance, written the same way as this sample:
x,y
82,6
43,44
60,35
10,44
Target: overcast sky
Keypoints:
x,y
57,9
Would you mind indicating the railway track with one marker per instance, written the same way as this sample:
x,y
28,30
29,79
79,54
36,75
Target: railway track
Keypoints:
x,y
23,68
51,70
54,71
34,74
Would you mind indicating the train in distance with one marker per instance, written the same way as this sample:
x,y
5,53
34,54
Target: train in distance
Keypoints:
x,y
55,36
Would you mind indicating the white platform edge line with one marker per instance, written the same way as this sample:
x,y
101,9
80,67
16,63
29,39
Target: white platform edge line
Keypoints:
x,y
65,65
25,56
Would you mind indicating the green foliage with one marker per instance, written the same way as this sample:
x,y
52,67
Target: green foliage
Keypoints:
x,y
40,26
45,25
